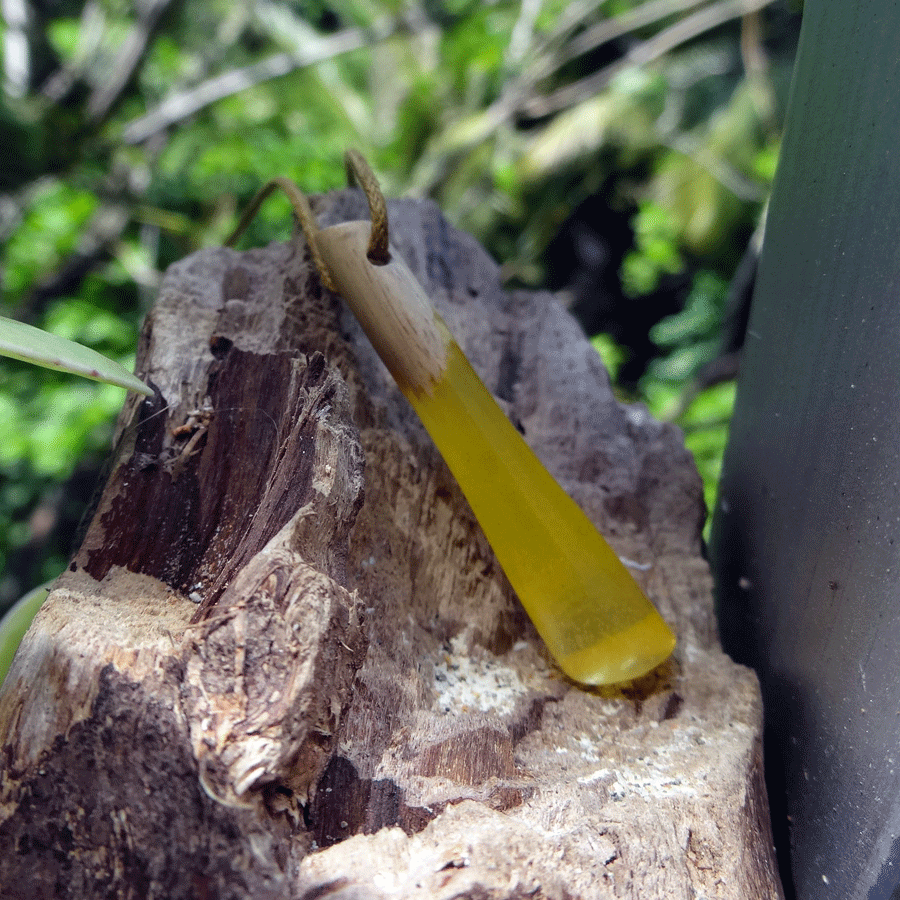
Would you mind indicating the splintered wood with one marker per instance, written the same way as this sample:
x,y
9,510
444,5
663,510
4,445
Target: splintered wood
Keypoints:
x,y
285,663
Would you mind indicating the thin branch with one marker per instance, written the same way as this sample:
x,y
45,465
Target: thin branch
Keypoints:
x,y
184,104
647,51
16,47
131,54
561,47
730,178
522,36
517,94
574,16
753,53
649,13
60,84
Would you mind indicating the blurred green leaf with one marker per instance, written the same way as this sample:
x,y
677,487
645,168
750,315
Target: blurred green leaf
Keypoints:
x,y
610,352
706,436
48,230
16,622
657,250
701,316
64,36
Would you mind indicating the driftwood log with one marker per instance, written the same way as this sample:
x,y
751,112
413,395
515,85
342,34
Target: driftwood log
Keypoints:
x,y
284,663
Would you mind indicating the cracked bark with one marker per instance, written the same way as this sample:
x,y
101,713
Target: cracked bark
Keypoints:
x,y
284,662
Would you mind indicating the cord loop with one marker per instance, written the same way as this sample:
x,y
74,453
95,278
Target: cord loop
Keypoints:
x,y
358,170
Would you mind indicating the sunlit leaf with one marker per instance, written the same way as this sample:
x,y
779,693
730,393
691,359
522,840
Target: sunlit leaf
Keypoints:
x,y
21,341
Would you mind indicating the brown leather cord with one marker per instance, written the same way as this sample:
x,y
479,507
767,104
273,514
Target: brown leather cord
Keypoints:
x,y
358,169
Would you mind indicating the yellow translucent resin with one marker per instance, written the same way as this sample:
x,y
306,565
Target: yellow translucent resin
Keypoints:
x,y
595,620
591,613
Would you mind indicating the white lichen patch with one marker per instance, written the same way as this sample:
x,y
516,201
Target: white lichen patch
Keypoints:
x,y
648,782
467,681
588,747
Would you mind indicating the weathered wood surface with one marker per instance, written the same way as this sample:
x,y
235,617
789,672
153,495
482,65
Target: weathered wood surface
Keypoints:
x,y
285,664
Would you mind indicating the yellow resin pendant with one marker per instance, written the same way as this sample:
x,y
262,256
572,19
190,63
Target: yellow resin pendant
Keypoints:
x,y
597,623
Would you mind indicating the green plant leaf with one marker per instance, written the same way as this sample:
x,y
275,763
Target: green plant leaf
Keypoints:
x,y
21,341
16,622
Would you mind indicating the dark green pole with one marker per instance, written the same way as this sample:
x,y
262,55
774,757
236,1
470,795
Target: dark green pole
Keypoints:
x,y
806,533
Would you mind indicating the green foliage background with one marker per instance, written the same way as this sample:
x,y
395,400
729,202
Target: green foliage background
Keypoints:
x,y
508,114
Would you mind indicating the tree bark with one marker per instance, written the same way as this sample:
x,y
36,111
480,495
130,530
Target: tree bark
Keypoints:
x,y
284,662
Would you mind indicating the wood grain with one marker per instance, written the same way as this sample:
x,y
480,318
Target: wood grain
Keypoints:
x,y
358,707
